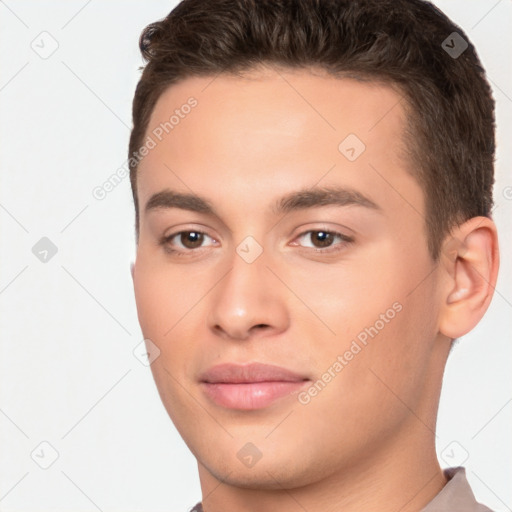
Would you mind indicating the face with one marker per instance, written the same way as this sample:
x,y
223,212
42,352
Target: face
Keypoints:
x,y
280,224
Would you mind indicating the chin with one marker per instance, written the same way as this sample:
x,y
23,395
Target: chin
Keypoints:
x,y
270,472
267,476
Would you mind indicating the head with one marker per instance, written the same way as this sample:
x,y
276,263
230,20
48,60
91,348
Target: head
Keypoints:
x,y
315,192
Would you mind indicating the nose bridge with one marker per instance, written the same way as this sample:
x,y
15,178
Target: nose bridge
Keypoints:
x,y
245,298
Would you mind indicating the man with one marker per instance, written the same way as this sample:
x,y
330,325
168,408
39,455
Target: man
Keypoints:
x,y
313,185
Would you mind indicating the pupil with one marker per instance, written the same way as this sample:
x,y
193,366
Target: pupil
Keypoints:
x,y
192,239
323,238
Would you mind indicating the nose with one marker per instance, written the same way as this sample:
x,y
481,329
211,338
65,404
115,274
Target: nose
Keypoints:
x,y
248,301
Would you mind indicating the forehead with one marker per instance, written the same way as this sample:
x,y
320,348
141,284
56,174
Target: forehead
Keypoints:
x,y
271,128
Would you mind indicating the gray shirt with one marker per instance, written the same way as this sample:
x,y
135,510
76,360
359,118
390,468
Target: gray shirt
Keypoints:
x,y
455,496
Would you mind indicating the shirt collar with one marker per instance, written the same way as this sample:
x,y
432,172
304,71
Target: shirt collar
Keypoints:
x,y
456,495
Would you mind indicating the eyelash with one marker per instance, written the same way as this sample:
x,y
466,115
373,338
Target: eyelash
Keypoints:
x,y
345,240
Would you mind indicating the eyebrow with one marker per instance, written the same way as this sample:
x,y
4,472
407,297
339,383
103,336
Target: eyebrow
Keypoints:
x,y
322,196
294,201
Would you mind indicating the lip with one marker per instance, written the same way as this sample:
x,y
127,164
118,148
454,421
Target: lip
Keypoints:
x,y
250,386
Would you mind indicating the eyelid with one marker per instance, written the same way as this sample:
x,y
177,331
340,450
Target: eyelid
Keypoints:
x,y
165,240
177,235
337,229
345,239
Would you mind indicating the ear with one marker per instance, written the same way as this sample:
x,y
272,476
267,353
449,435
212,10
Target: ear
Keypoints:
x,y
470,258
132,268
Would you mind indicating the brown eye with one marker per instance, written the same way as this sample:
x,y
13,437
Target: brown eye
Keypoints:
x,y
191,239
187,243
322,238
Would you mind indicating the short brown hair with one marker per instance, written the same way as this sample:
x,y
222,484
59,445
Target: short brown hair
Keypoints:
x,y
404,43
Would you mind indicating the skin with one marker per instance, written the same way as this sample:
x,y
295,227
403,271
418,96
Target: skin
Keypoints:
x,y
367,440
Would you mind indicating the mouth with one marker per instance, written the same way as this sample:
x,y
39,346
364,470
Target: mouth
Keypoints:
x,y
249,387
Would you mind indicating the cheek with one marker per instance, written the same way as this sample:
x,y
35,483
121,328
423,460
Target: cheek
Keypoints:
x,y
161,305
161,298
151,299
169,309
379,314
346,297
160,289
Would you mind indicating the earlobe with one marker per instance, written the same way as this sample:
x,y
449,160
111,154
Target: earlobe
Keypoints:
x,y
470,259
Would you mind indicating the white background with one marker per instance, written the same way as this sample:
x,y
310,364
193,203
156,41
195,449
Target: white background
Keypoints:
x,y
67,372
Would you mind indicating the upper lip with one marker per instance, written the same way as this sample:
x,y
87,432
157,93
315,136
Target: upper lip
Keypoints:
x,y
253,372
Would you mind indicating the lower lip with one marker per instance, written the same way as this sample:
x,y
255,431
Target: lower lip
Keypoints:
x,y
248,396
